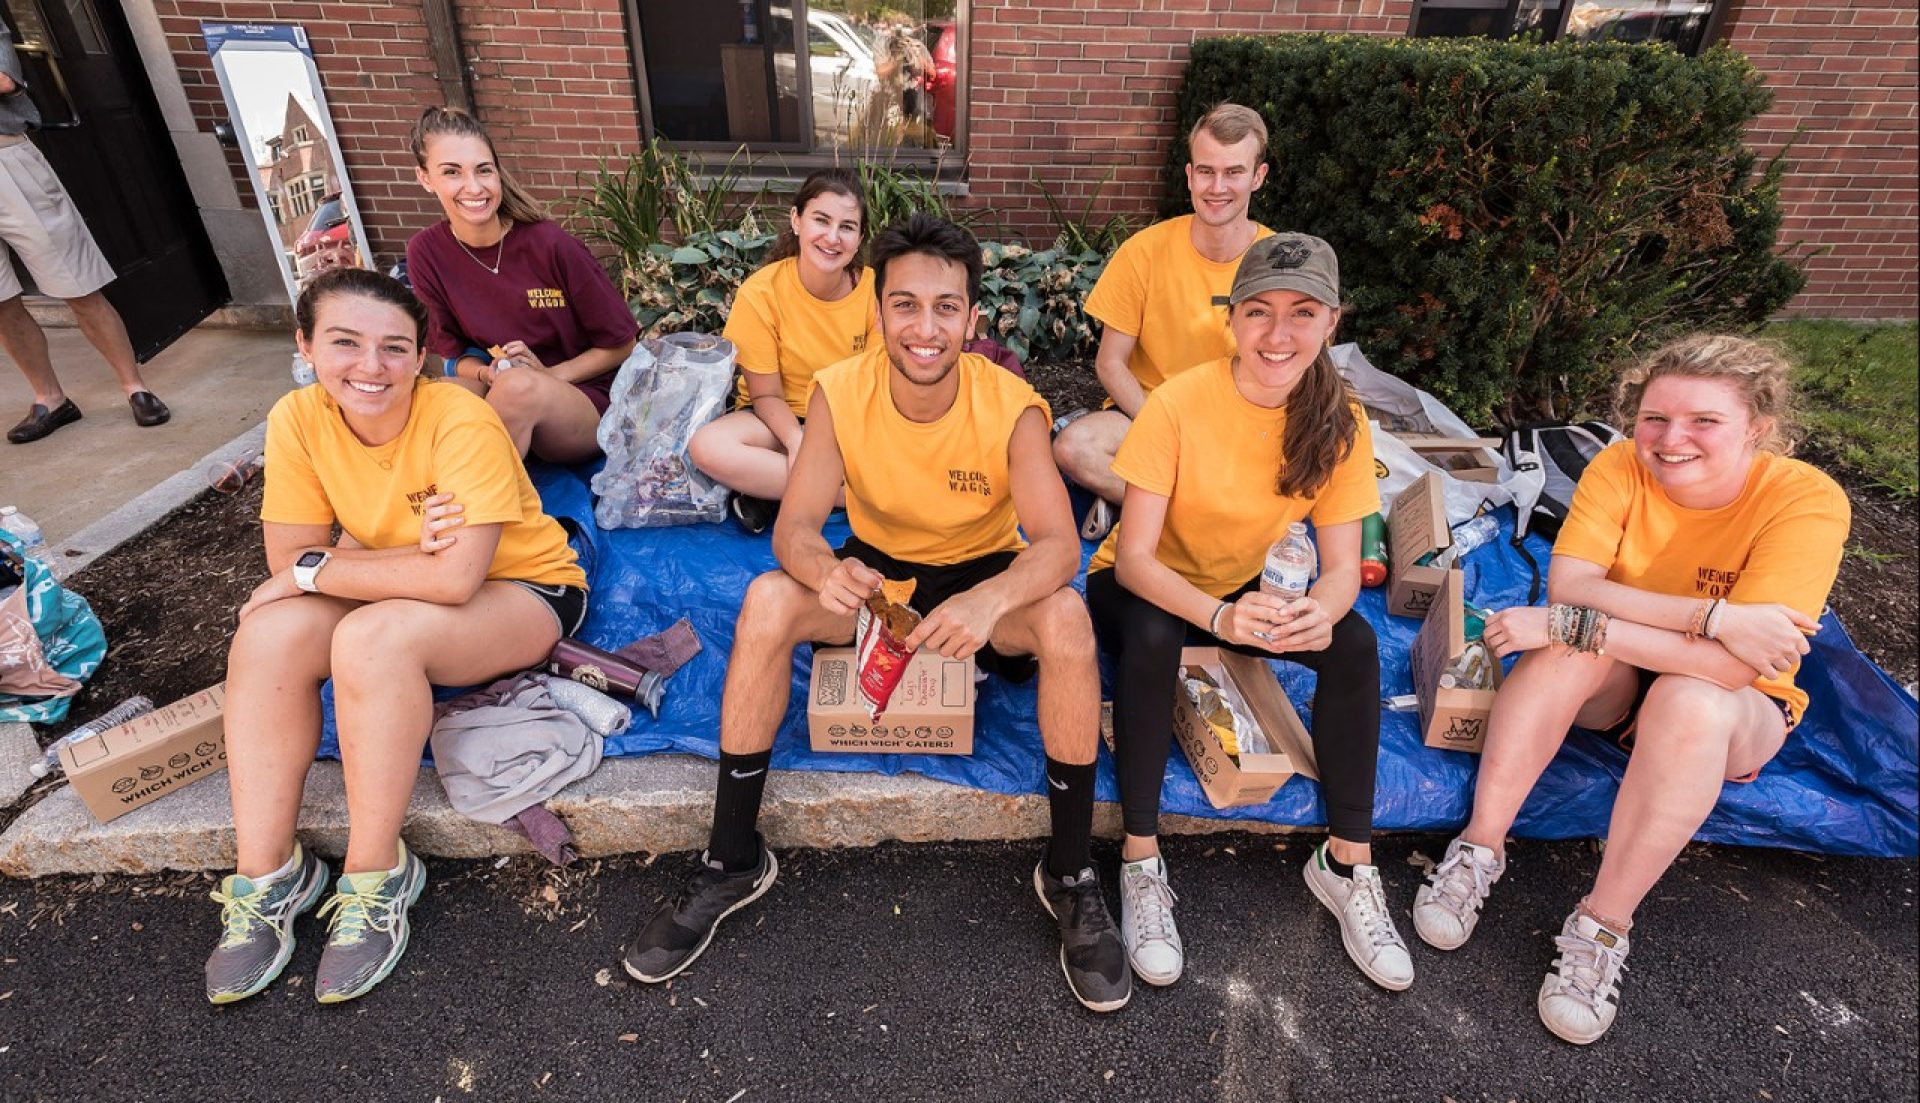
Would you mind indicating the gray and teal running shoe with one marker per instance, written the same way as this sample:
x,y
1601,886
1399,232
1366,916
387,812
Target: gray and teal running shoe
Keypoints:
x,y
369,928
257,938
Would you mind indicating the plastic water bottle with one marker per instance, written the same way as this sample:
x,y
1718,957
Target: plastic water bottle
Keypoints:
x,y
303,373
1475,533
26,530
1290,564
112,718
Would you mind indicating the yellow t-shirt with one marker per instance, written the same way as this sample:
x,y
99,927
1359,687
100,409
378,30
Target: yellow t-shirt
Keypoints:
x,y
1216,458
936,493
318,472
778,327
1159,289
1779,542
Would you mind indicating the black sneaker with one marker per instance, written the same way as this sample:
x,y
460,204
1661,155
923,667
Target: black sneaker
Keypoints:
x,y
683,926
754,514
1091,953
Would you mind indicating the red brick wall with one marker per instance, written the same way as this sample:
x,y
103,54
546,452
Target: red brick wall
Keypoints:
x,y
552,80
1068,90
1846,71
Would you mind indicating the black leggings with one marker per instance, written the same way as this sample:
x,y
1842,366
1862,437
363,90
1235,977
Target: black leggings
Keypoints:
x,y
1145,641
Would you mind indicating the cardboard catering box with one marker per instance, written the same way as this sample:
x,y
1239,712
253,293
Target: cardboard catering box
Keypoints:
x,y
149,756
1252,778
1452,719
1471,458
1416,525
931,711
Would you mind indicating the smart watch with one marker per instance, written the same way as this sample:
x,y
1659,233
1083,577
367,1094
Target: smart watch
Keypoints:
x,y
306,569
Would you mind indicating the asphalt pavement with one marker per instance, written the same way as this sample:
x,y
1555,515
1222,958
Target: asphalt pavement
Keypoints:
x,y
930,973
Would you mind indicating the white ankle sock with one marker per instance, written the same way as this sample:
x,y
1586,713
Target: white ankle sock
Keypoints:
x,y
293,863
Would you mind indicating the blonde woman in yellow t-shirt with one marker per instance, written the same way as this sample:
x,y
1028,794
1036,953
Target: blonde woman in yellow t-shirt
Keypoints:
x,y
1693,563
367,448
1222,459
810,305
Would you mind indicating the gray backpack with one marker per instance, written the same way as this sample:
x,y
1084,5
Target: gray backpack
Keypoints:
x,y
1561,451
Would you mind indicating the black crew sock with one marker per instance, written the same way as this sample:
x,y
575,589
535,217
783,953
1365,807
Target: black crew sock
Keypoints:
x,y
1335,864
1070,800
734,843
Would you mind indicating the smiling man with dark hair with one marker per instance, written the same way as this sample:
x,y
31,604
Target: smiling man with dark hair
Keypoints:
x,y
946,463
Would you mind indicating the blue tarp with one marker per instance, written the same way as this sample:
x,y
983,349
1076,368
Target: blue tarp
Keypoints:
x,y
1844,784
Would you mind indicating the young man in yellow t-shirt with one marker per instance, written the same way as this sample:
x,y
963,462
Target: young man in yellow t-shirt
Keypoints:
x,y
1162,299
945,464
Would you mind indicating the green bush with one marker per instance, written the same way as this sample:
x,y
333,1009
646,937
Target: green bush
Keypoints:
x,y
1511,218
631,204
1030,301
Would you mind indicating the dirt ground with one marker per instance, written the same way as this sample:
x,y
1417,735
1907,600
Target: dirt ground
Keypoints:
x,y
168,597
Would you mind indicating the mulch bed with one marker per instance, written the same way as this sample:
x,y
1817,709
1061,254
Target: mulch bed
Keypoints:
x,y
168,597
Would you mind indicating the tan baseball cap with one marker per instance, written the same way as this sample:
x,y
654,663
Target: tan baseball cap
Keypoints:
x,y
1288,262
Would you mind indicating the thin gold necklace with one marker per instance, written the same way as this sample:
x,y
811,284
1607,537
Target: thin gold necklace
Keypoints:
x,y
499,258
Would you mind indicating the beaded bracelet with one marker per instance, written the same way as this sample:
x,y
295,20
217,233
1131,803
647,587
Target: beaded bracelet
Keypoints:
x,y
1712,629
1578,627
1697,623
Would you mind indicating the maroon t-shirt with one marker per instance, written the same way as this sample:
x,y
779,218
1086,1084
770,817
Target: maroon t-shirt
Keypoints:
x,y
549,292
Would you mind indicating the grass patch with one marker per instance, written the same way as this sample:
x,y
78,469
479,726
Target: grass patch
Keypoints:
x,y
1858,386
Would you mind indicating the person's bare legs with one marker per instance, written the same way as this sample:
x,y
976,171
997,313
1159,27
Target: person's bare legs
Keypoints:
x,y
545,415
777,615
386,656
1548,692
1085,449
279,656
1691,735
101,325
739,452
1057,632
26,344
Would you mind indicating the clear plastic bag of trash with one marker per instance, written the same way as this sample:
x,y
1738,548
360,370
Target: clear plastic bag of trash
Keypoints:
x,y
667,388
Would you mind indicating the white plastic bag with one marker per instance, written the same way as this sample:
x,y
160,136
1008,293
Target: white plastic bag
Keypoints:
x,y
667,388
1394,405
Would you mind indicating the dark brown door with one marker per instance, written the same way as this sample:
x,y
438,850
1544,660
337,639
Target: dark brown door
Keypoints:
x,y
103,133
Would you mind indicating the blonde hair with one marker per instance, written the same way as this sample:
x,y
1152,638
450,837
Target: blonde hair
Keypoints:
x,y
515,202
1761,373
1230,124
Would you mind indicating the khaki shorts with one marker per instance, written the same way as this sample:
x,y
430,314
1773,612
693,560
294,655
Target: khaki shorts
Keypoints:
x,y
39,222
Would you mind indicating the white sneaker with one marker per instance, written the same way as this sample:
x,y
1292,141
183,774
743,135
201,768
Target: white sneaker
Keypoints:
x,y
1098,521
1577,998
1366,927
1146,922
1447,907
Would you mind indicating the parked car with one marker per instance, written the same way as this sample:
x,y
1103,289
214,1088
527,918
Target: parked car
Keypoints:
x,y
839,69
327,242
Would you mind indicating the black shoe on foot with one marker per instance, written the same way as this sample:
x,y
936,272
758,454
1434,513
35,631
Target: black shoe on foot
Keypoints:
x,y
754,514
148,410
40,421
1091,953
683,926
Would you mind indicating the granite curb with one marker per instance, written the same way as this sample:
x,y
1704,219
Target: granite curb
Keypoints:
x,y
655,804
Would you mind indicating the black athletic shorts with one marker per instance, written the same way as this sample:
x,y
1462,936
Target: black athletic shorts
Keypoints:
x,y
933,585
568,603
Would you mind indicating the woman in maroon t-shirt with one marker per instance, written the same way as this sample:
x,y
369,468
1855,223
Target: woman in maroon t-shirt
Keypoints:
x,y
521,312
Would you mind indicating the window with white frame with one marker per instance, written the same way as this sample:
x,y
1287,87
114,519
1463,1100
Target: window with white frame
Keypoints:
x,y
1689,25
804,77
303,194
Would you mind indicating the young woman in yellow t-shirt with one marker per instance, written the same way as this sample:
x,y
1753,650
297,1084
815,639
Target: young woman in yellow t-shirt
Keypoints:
x,y
366,448
1222,458
1694,561
809,306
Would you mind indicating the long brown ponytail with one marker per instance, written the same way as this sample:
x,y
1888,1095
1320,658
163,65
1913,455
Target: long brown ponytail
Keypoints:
x,y
1320,429
516,204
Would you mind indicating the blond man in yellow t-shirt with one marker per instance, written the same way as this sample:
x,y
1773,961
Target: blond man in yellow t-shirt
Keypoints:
x,y
809,306
1162,299
945,462
1692,565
